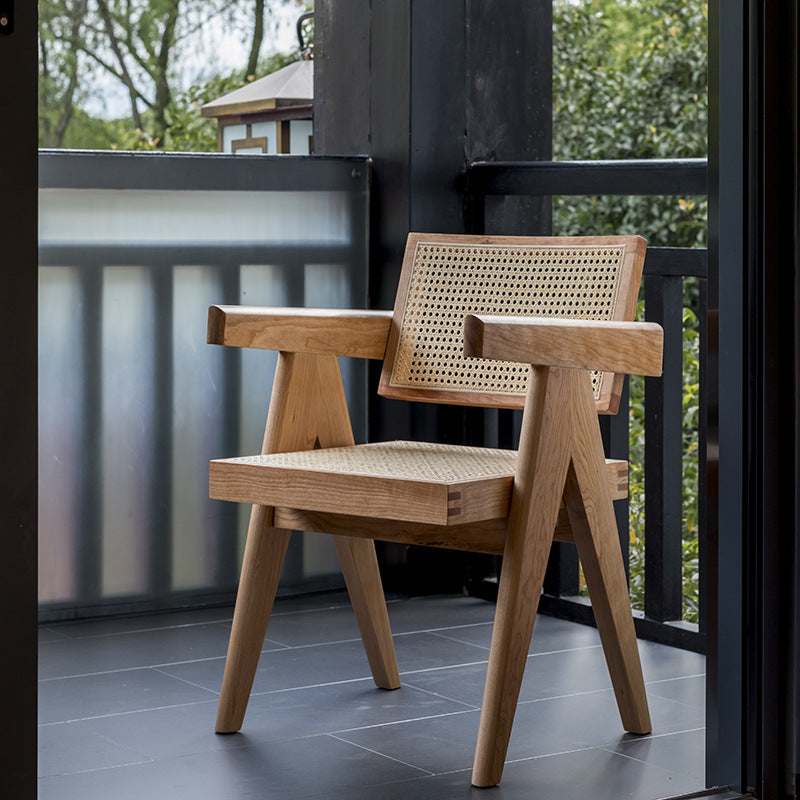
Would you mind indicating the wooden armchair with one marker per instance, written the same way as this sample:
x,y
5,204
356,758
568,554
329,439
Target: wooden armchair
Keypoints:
x,y
466,306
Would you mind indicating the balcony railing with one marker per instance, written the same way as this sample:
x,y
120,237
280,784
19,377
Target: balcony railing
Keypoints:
x,y
133,403
134,247
664,273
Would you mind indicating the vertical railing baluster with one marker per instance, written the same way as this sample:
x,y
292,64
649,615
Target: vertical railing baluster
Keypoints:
x,y
89,578
663,453
227,544
702,485
616,441
159,532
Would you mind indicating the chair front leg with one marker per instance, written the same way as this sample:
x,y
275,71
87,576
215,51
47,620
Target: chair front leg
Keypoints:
x,y
264,554
538,487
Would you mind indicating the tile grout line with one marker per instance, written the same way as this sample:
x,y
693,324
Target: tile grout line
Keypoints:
x,y
186,680
425,772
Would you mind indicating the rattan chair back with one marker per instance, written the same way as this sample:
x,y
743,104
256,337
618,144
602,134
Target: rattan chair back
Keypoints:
x,y
445,277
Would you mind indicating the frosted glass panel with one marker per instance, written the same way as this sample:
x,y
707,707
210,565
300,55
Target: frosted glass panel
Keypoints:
x,y
61,398
261,285
198,426
128,451
171,217
133,401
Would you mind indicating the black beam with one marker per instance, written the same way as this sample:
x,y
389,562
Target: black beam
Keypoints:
x,y
775,317
624,177
686,262
103,169
18,422
728,134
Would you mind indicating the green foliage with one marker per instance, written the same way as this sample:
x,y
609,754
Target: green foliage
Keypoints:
x,y
629,81
187,130
149,48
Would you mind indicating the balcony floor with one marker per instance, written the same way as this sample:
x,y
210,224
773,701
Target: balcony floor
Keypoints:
x,y
127,710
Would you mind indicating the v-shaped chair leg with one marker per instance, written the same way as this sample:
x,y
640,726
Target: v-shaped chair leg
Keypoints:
x,y
538,487
594,527
362,577
307,408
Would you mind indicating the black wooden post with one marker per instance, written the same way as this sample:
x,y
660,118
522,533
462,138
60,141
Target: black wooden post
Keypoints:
x,y
18,423
663,451
424,87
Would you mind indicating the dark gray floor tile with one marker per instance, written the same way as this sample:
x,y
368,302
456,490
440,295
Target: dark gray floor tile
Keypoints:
x,y
660,662
48,635
141,622
595,773
327,663
546,675
166,732
184,730
549,634
434,613
313,626
675,752
591,773
542,727
64,699
71,747
148,732
691,691
134,649
318,600
280,770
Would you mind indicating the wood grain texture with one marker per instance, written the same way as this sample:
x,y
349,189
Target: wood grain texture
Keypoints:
x,y
594,527
624,347
486,536
436,502
538,488
563,455
360,334
362,578
307,409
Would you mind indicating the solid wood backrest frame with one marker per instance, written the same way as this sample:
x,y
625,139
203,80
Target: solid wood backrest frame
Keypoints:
x,y
627,290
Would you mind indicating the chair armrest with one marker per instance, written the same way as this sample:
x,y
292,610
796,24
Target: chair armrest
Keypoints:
x,y
326,331
625,347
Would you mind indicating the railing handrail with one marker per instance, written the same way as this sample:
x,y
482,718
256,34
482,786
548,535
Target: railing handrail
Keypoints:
x,y
68,169
638,176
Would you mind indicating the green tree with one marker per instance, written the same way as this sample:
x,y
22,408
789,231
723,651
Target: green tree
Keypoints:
x,y
629,81
61,68
148,46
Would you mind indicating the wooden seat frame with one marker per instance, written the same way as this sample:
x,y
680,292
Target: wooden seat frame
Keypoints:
x,y
560,490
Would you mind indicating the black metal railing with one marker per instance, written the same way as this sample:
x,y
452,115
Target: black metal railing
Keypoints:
x,y
664,273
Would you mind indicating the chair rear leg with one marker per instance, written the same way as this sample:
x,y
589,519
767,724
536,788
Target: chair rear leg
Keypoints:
x,y
363,579
595,530
264,554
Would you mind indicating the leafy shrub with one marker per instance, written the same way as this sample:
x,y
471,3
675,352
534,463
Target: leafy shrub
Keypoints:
x,y
629,81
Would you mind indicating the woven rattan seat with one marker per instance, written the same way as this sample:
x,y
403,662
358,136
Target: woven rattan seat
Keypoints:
x,y
538,323
436,483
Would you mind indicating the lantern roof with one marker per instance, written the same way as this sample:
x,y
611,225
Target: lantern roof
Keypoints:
x,y
289,87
